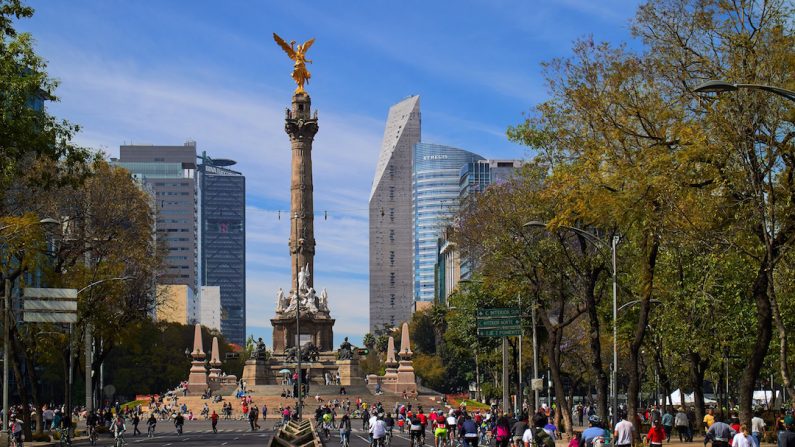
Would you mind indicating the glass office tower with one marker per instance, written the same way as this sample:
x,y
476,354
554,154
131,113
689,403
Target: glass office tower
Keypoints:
x,y
436,176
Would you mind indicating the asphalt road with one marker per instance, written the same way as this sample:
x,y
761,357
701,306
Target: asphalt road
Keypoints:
x,y
230,433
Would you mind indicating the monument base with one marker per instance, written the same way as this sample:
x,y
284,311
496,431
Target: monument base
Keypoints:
x,y
257,372
350,374
315,328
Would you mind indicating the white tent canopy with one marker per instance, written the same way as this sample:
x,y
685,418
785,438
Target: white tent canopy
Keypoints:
x,y
676,398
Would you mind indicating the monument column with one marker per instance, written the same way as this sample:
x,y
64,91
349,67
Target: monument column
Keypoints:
x,y
301,126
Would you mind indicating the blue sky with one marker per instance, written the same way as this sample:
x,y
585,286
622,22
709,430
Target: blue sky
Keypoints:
x,y
163,72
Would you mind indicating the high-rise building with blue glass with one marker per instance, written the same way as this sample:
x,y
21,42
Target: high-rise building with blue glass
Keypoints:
x,y
436,176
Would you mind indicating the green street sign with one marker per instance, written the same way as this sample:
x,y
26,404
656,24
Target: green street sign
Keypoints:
x,y
499,332
498,312
499,322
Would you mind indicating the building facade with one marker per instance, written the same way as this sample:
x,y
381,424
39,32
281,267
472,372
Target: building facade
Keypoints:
x,y
222,241
475,177
176,303
210,307
391,296
435,200
170,173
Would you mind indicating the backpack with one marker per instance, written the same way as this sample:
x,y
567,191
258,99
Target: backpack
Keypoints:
x,y
542,439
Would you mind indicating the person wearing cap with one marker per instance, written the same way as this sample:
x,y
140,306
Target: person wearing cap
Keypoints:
x,y
594,429
786,437
720,433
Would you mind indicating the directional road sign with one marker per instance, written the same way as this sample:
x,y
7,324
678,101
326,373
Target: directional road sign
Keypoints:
x,y
498,312
49,305
499,322
500,332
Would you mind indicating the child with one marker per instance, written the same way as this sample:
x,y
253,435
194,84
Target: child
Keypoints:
x,y
575,440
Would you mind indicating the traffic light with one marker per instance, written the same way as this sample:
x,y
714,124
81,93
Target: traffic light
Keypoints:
x,y
362,351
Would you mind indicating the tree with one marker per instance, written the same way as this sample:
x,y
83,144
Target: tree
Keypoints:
x,y
27,132
746,140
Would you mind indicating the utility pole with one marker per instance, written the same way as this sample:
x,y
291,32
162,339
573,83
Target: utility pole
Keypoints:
x,y
505,397
6,351
535,357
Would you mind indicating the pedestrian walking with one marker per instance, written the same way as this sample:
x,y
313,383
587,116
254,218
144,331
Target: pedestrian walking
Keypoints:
x,y
682,426
135,420
214,421
757,428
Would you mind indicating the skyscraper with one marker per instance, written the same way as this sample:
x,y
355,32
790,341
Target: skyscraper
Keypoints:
x,y
391,296
170,172
222,241
435,198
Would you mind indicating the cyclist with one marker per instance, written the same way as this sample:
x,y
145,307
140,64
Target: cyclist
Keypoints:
x,y
152,424
440,432
91,427
423,422
118,431
378,431
179,421
451,425
469,431
390,425
326,417
16,431
345,430
416,431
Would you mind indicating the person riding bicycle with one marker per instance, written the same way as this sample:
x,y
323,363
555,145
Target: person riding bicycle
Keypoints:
x,y
326,424
378,431
345,429
440,432
16,431
179,421
469,431
119,428
390,423
91,423
151,424
416,430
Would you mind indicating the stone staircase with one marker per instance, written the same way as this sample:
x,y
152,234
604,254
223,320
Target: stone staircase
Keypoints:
x,y
270,395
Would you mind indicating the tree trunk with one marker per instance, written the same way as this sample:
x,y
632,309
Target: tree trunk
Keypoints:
x,y
697,368
596,351
651,245
764,333
783,350
19,356
553,351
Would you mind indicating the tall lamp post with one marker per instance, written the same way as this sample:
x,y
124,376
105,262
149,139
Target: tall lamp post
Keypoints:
x,y
598,242
724,86
7,328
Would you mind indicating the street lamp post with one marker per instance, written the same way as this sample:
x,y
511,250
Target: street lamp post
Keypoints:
x,y
724,86
7,331
598,242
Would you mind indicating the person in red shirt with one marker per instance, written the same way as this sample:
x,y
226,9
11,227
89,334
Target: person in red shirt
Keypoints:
x,y
656,435
214,419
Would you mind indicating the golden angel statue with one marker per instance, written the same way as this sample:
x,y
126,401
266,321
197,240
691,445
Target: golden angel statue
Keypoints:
x,y
298,55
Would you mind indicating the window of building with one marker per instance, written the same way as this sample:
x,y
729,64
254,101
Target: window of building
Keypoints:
x,y
392,299
391,279
392,258
391,235
391,214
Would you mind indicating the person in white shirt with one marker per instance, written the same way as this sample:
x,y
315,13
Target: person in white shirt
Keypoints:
x,y
743,439
757,428
377,431
527,437
623,431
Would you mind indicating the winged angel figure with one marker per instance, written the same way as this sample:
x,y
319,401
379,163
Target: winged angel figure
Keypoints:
x,y
298,54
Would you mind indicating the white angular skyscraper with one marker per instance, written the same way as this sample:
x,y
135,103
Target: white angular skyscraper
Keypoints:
x,y
391,295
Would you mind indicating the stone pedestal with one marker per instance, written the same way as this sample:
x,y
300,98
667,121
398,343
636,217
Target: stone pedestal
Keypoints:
x,y
257,372
350,374
317,328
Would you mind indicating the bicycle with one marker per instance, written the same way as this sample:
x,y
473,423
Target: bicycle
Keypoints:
x,y
92,435
150,433
64,438
119,441
416,438
179,429
388,438
16,439
345,438
278,424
